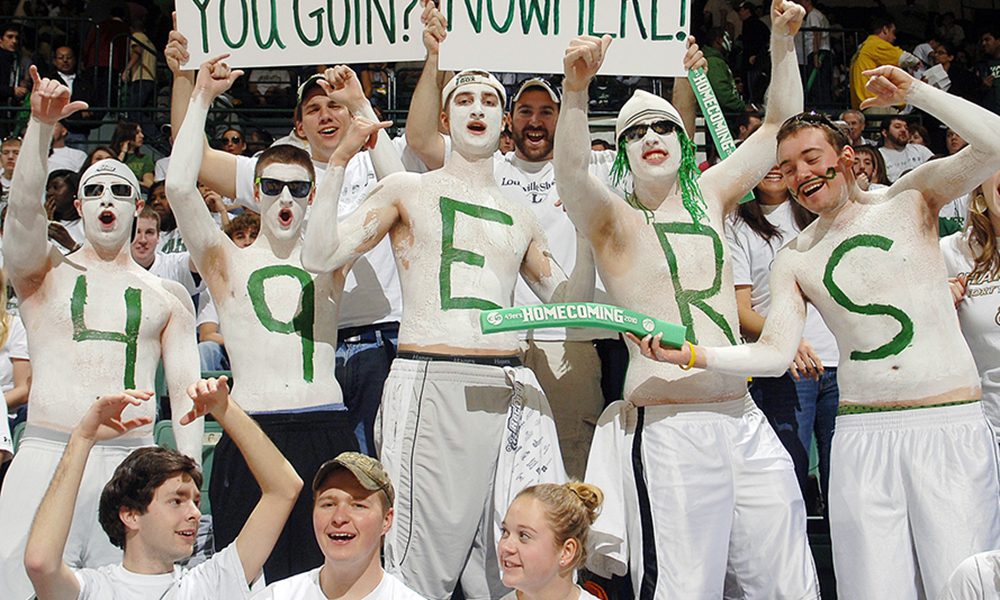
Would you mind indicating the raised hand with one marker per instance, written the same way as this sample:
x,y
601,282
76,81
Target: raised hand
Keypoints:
x,y
342,85
361,135
176,51
889,84
582,61
215,77
693,57
786,17
209,396
50,100
103,421
435,27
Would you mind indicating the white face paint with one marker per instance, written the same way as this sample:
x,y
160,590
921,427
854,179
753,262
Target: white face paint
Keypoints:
x,y
474,120
654,156
107,219
282,215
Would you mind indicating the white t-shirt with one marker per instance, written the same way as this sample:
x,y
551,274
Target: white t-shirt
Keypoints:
x,y
804,39
371,292
176,267
207,313
219,578
534,184
66,158
305,586
160,169
752,259
898,162
75,229
584,595
976,578
956,211
171,242
15,348
979,317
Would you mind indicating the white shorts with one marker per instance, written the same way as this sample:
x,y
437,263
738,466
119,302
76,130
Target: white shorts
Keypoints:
x,y
912,494
441,424
25,485
712,507
977,578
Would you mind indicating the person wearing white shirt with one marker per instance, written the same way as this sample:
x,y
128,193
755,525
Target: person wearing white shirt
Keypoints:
x,y
802,402
15,368
150,509
177,266
62,156
899,154
972,260
352,511
543,540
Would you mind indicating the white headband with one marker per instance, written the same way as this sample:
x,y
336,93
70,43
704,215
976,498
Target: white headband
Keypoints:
x,y
109,166
470,76
644,107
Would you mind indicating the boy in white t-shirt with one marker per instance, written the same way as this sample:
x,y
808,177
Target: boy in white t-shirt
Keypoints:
x,y
150,509
352,511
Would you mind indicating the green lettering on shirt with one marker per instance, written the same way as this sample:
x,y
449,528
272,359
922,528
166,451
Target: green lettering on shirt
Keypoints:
x,y
450,254
133,317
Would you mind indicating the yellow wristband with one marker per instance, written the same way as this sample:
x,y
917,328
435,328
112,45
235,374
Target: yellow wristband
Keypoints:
x,y
690,364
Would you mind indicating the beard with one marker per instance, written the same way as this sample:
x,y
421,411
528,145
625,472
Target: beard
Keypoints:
x,y
533,153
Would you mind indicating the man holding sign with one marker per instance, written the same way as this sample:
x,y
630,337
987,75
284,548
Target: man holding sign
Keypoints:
x,y
701,496
913,479
460,244
280,321
98,322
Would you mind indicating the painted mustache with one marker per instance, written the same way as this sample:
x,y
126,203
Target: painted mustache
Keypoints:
x,y
831,173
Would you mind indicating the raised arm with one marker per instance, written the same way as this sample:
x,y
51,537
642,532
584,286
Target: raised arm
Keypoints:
x,y
731,179
422,135
947,178
278,481
218,168
589,203
769,356
319,249
26,244
548,281
181,366
361,231
342,85
682,96
193,217
43,555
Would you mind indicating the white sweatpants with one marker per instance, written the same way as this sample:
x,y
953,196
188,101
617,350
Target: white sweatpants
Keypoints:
x,y
23,489
912,494
714,510
440,426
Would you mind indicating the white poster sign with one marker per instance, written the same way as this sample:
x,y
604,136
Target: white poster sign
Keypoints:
x,y
531,36
261,33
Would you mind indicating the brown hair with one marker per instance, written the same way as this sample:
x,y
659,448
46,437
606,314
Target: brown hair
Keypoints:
x,y
247,221
812,120
571,509
134,484
982,239
880,177
147,212
286,154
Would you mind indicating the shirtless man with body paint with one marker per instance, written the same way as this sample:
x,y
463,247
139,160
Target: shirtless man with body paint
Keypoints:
x,y
686,459
459,244
913,479
280,321
97,322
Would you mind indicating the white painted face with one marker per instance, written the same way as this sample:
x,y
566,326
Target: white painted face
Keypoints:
x,y
653,156
283,214
474,120
107,211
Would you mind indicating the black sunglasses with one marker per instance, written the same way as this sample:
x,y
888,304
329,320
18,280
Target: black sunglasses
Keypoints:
x,y
232,140
637,132
273,187
813,118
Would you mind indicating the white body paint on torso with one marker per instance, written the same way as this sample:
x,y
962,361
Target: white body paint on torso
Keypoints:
x,y
640,276
442,292
68,374
895,352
